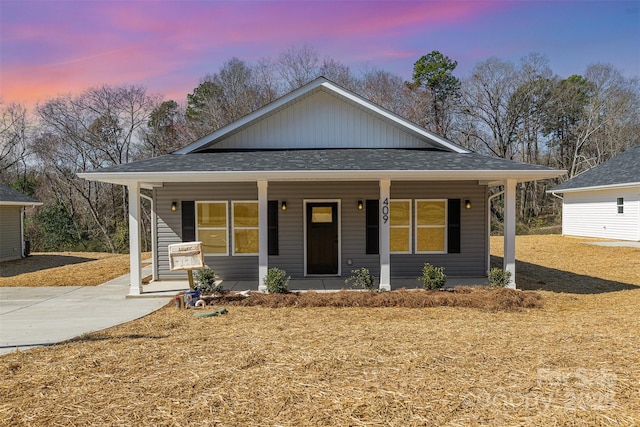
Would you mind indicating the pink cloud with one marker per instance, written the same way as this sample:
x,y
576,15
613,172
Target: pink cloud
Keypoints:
x,y
66,47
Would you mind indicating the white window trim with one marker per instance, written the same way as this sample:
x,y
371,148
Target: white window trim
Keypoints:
x,y
409,227
198,228
233,228
445,226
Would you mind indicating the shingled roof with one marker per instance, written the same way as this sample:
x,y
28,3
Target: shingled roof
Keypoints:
x,y
9,196
623,169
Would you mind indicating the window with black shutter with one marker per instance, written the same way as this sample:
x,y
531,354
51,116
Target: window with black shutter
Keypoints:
x,y
188,221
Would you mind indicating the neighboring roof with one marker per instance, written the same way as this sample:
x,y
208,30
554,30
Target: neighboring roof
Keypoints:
x,y
9,196
621,171
323,84
329,164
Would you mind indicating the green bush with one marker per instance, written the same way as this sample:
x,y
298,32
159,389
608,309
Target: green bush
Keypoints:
x,y
276,281
432,277
205,281
361,278
499,278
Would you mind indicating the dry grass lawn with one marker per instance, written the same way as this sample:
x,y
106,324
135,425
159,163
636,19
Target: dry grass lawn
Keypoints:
x,y
64,269
575,361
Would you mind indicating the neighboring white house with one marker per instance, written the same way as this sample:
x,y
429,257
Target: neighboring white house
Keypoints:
x,y
604,201
319,182
12,205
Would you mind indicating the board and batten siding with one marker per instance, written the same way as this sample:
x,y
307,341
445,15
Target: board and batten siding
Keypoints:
x,y
472,259
10,233
170,225
321,120
595,214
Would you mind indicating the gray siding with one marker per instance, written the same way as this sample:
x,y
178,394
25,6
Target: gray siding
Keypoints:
x,y
291,222
10,233
472,259
170,225
470,262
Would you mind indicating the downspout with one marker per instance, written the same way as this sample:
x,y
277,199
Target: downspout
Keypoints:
x,y
22,248
154,269
489,229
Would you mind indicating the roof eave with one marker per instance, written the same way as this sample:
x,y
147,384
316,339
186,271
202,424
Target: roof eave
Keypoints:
x,y
595,188
125,178
5,203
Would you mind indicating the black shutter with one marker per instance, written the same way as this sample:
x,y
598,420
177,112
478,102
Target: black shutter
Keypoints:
x,y
453,224
272,220
188,221
373,226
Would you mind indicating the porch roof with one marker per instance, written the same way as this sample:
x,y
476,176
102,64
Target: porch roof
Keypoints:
x,y
326,164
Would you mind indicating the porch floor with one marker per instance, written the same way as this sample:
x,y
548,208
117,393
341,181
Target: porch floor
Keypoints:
x,y
163,288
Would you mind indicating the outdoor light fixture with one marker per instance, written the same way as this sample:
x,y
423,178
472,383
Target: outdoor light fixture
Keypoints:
x,y
284,205
174,206
360,205
467,204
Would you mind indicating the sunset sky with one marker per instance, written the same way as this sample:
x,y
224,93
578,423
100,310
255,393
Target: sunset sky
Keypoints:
x,y
53,47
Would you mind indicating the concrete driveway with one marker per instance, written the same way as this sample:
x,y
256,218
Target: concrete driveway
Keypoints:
x,y
42,316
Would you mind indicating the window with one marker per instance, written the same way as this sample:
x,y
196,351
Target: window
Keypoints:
x,y
400,226
620,204
211,227
245,228
431,226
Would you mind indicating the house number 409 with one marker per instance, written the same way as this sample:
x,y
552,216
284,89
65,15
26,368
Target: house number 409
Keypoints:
x,y
385,210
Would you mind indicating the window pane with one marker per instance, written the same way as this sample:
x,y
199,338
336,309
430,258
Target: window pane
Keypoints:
x,y
400,213
245,241
213,241
620,201
431,213
320,214
245,215
212,214
399,239
430,240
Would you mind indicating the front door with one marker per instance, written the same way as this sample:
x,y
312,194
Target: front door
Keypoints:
x,y
322,238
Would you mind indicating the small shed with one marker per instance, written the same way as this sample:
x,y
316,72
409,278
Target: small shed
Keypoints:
x,y
12,206
604,202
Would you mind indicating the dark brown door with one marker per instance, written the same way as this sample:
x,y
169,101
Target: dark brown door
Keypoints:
x,y
322,238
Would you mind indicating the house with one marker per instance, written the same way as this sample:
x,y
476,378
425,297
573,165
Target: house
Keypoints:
x,y
604,201
320,182
12,205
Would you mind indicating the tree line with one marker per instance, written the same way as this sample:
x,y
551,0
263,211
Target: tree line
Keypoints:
x,y
519,111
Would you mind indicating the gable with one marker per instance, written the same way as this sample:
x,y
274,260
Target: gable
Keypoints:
x,y
320,115
322,120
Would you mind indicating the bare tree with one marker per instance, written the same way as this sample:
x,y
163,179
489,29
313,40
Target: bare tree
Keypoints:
x,y
14,127
95,129
297,66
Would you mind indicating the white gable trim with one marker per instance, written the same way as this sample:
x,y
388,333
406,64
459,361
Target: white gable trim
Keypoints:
x,y
324,84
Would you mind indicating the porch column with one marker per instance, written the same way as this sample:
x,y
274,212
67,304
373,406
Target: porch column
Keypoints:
x,y
135,264
385,259
263,234
509,259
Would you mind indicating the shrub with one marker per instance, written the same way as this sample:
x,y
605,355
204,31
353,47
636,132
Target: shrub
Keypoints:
x,y
205,281
361,278
276,281
432,277
499,278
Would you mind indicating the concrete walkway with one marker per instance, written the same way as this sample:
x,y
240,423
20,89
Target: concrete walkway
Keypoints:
x,y
32,317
